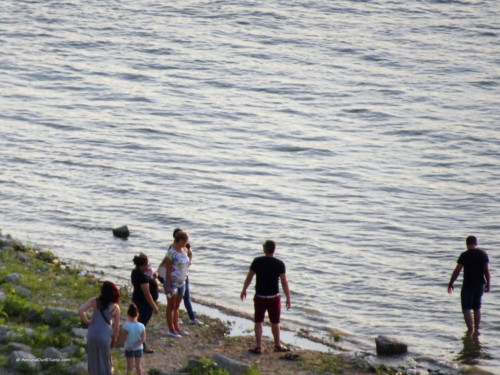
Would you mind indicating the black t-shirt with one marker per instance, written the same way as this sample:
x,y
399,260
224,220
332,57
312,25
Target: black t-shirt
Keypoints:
x,y
138,278
474,261
268,271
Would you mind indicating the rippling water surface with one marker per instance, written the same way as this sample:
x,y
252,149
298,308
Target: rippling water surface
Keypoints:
x,y
362,136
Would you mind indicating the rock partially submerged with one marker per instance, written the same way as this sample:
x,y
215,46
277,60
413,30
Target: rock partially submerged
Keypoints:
x,y
121,232
387,346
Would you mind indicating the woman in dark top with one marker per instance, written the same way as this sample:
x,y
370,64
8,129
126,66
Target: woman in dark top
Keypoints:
x,y
145,292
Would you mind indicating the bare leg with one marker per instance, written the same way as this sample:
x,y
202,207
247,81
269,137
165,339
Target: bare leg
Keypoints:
x,y
477,319
130,365
178,300
138,367
468,321
170,314
275,329
258,335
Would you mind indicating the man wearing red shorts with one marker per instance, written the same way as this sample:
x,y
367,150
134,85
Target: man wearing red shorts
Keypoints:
x,y
270,271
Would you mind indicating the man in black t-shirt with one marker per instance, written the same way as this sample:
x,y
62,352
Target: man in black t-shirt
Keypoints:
x,y
475,262
270,271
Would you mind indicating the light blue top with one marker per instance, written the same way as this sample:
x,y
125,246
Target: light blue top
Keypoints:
x,y
134,332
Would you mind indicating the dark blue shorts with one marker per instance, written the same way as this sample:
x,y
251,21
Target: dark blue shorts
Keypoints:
x,y
133,353
471,297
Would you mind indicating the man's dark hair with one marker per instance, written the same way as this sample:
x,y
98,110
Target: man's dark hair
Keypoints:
x,y
270,246
471,240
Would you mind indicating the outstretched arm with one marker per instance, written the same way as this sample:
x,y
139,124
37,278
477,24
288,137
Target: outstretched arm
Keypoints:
x,y
454,276
286,290
247,282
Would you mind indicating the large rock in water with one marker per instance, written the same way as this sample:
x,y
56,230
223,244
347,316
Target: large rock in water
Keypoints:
x,y
121,232
387,346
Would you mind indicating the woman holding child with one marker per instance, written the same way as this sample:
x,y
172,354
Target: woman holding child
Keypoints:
x,y
176,262
145,291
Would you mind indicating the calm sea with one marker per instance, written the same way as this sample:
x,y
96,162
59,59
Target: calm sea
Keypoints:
x,y
362,136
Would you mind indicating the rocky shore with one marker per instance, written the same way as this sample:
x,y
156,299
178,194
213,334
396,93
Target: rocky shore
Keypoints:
x,y
40,331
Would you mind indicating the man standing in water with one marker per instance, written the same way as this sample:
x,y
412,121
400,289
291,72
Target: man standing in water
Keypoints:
x,y
269,271
474,261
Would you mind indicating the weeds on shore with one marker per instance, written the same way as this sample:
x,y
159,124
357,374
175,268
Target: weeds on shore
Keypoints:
x,y
42,281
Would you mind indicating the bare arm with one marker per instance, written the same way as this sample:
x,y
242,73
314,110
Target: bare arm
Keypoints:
x,y
487,275
82,310
149,297
123,337
286,290
454,276
246,284
115,314
141,341
168,266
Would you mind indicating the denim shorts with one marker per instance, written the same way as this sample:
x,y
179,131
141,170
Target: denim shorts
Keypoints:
x,y
180,290
133,353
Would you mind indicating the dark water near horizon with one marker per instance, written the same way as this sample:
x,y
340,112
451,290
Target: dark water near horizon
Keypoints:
x,y
363,137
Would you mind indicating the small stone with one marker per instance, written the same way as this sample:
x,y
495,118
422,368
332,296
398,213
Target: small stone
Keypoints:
x,y
13,278
23,291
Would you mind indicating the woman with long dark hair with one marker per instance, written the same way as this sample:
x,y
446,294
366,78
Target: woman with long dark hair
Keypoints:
x,y
103,328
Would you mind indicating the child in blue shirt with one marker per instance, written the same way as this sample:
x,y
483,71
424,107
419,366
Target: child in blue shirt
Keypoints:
x,y
134,335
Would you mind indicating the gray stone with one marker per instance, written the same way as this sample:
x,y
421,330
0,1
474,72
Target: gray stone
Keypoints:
x,y
387,346
13,346
53,353
13,278
23,361
121,232
234,367
194,362
70,350
78,369
20,334
53,316
79,332
23,291
23,257
4,333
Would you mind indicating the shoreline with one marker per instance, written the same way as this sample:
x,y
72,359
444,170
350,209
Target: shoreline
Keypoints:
x,y
241,334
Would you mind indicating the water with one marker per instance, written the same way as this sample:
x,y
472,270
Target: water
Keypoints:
x,y
362,136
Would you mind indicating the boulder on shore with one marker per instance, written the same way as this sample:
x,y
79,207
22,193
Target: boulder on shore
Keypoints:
x,y
232,366
387,346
